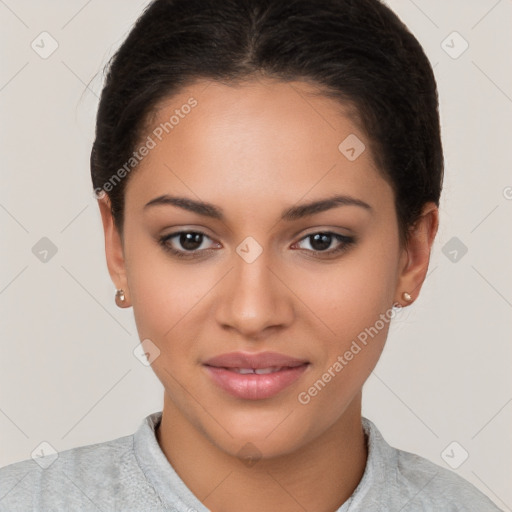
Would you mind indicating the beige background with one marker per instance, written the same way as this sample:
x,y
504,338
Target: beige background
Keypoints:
x,y
68,375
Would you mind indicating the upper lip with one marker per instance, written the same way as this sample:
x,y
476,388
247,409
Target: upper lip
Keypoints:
x,y
258,360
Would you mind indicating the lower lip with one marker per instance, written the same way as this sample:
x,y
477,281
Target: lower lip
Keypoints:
x,y
253,386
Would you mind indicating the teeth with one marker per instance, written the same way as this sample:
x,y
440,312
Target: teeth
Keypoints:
x,y
258,371
244,370
263,371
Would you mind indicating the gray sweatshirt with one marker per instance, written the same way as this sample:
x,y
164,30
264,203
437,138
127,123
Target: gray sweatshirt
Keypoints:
x,y
131,473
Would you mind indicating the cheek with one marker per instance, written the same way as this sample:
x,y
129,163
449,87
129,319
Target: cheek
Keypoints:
x,y
161,302
350,295
355,306
161,292
353,301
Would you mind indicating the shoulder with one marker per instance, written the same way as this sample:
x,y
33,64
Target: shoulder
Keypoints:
x,y
408,482
436,488
83,478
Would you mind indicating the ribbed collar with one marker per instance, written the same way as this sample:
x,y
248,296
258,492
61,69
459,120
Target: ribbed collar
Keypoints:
x,y
176,495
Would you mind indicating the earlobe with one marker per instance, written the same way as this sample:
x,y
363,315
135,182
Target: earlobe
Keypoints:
x,y
120,299
407,297
114,252
416,255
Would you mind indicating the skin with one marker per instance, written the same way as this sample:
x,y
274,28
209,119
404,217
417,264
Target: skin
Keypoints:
x,y
254,150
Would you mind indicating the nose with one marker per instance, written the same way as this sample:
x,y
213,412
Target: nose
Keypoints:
x,y
254,298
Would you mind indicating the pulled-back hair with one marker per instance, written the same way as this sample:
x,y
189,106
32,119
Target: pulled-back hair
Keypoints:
x,y
356,51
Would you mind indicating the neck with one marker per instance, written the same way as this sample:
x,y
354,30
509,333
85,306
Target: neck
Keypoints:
x,y
319,476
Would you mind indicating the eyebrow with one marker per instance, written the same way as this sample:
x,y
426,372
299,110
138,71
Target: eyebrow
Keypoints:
x,y
290,214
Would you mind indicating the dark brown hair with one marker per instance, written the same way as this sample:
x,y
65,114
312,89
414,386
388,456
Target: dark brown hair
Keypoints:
x,y
357,51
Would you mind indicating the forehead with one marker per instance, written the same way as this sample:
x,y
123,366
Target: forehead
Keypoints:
x,y
258,141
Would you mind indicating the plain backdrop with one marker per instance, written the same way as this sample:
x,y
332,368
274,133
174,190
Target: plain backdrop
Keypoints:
x,y
68,374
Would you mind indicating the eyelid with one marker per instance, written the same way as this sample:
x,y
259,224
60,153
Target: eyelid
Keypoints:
x,y
334,230
344,243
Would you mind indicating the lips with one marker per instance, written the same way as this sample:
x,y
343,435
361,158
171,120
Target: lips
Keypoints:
x,y
254,376
256,361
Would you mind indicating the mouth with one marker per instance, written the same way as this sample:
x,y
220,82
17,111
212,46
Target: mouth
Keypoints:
x,y
258,371
254,376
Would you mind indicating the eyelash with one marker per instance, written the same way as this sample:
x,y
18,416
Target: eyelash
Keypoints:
x,y
345,243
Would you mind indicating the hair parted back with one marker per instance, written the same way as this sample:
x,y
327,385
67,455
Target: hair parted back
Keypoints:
x,y
355,51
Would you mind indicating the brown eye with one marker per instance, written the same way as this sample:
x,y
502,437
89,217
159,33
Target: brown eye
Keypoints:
x,y
321,242
185,244
190,241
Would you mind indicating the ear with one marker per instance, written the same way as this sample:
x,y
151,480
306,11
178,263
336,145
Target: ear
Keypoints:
x,y
416,254
114,250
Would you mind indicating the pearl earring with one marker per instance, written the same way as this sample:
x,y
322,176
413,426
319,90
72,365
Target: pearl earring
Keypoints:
x,y
120,298
407,297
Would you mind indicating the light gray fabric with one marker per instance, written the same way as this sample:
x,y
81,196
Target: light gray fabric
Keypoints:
x,y
131,473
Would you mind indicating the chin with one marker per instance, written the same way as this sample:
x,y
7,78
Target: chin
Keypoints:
x,y
266,433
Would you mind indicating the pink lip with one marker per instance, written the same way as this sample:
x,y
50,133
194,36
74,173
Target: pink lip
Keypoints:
x,y
254,386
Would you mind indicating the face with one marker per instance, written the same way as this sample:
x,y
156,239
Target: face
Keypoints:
x,y
253,271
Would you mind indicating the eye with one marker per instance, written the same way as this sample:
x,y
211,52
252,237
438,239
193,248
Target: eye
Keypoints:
x,y
320,243
189,243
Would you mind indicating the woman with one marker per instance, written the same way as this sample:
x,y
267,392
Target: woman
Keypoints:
x,y
268,175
